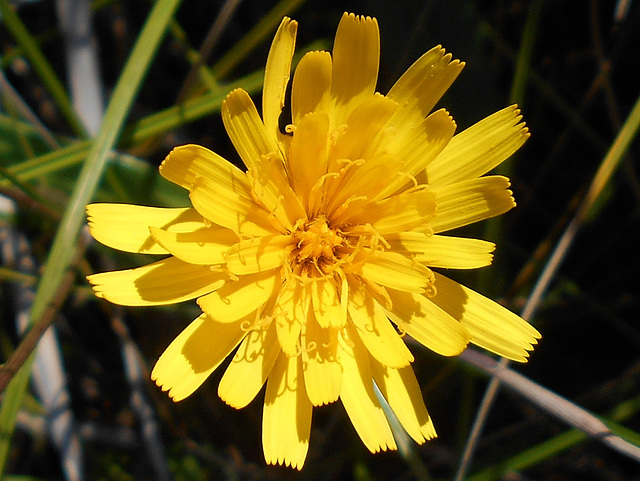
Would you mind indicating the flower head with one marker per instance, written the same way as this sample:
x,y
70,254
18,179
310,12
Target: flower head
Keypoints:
x,y
314,263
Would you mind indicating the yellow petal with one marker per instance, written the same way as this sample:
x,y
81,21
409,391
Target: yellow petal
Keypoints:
x,y
259,254
230,208
126,227
194,355
261,154
274,192
401,390
206,245
288,331
411,150
311,85
442,251
246,129
480,148
322,371
290,315
286,419
195,167
358,397
394,270
490,325
327,307
421,86
250,367
362,125
238,298
352,142
471,201
276,74
427,323
356,57
307,159
164,282
186,163
398,213
375,330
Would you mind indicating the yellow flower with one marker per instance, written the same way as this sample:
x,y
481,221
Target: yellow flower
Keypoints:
x,y
318,259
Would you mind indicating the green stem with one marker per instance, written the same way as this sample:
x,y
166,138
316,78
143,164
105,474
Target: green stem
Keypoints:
x,y
60,256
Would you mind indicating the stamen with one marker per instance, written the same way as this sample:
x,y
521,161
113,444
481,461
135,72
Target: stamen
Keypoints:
x,y
378,237
416,187
271,156
323,178
258,194
411,178
315,195
431,290
349,163
428,231
343,207
379,293
233,276
218,268
400,329
335,192
299,224
336,133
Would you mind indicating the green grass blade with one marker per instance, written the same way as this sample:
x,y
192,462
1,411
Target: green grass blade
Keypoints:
x,y
610,164
148,127
67,234
41,66
527,44
189,111
8,411
135,133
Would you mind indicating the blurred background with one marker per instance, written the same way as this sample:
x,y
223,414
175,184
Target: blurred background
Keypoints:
x,y
92,411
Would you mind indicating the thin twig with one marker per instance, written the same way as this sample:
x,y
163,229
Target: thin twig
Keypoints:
x,y
11,95
27,197
552,403
31,338
213,35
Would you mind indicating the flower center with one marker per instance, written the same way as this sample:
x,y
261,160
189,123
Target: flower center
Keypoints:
x,y
318,246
